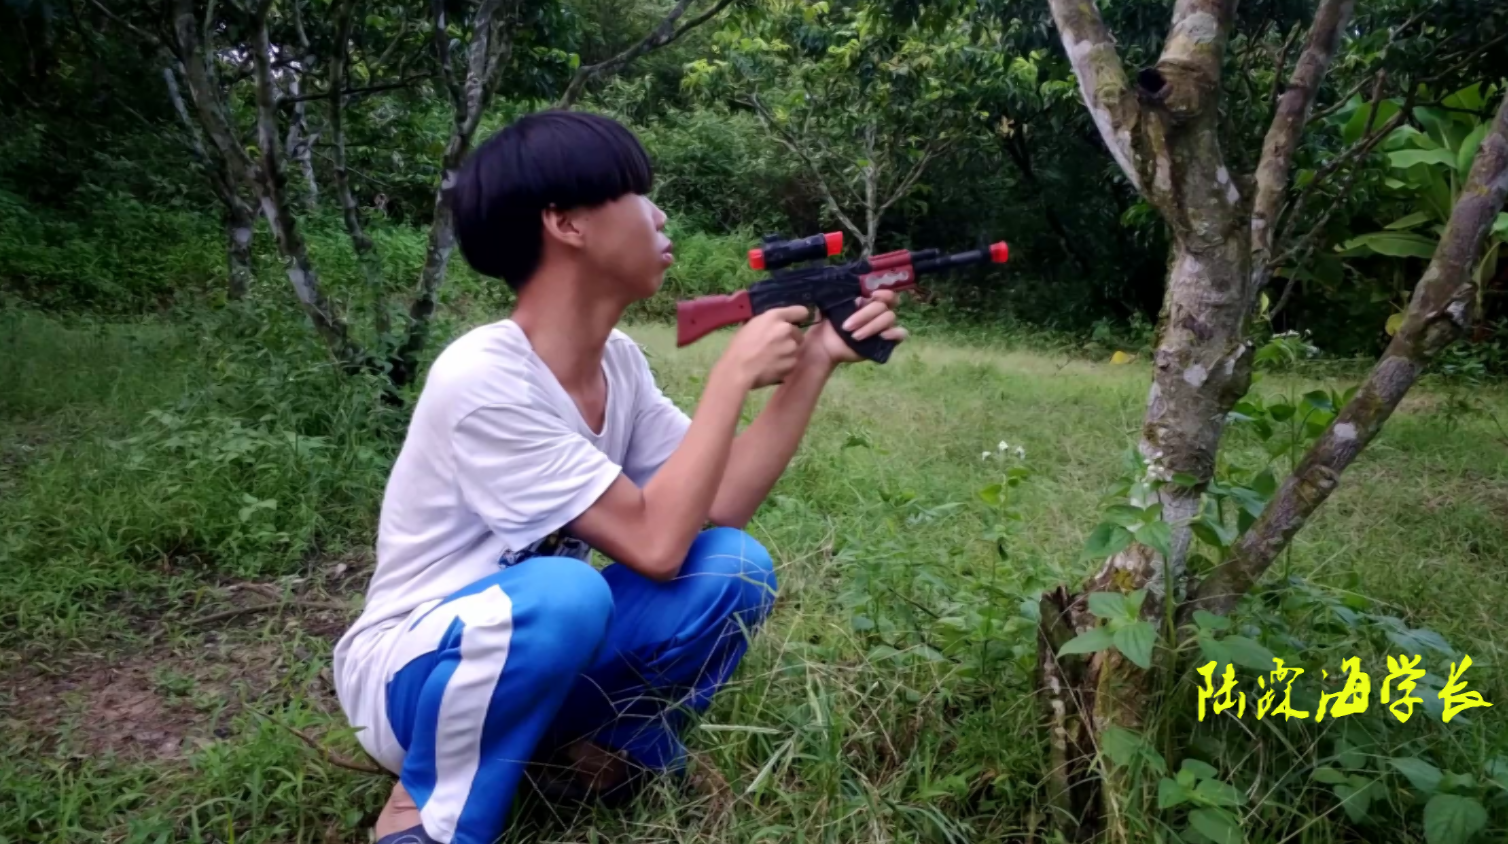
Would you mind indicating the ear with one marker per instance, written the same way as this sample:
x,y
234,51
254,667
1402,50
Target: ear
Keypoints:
x,y
564,227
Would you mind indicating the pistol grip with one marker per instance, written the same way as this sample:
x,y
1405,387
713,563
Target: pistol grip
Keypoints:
x,y
840,308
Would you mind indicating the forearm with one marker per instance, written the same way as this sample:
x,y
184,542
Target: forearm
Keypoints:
x,y
678,499
761,453
651,529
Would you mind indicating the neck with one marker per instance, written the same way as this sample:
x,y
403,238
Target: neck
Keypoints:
x,y
567,323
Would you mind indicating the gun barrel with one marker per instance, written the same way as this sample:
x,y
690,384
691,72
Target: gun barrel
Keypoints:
x,y
997,253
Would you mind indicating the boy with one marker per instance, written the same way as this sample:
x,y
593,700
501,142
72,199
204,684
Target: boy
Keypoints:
x,y
488,642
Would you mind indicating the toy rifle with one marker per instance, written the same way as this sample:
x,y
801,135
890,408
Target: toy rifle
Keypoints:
x,y
833,289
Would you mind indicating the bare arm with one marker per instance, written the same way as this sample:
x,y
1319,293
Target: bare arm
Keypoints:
x,y
650,529
762,452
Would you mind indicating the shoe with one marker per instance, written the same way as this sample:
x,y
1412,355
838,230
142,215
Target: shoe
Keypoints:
x,y
572,774
414,835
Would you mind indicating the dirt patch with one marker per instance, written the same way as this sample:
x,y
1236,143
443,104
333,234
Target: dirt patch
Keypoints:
x,y
167,699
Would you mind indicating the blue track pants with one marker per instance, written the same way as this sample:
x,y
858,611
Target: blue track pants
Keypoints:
x,y
551,650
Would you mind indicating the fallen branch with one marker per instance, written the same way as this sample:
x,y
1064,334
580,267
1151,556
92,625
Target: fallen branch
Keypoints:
x,y
333,757
256,608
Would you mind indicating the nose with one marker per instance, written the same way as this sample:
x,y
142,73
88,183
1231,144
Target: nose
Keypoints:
x,y
659,216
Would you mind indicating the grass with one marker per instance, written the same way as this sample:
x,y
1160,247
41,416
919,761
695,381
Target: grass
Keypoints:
x,y
889,698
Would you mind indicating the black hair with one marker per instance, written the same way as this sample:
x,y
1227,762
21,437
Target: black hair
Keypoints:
x,y
565,159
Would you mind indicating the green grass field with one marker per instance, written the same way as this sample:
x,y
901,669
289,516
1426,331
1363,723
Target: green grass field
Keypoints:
x,y
185,525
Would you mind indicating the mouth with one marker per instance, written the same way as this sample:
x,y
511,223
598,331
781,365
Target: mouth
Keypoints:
x,y
667,253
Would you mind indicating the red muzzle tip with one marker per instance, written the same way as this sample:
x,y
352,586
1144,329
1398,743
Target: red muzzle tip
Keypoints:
x,y
756,259
1000,252
834,242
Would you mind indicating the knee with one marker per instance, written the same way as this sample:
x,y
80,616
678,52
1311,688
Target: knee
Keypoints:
x,y
571,603
736,566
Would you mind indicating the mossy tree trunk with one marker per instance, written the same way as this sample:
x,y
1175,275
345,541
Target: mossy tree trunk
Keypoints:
x,y
1162,128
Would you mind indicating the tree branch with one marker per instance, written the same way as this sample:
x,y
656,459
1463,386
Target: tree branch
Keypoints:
x,y
1437,314
130,27
350,92
366,252
206,96
1300,249
934,148
1102,80
474,99
665,32
1287,130
789,143
284,227
442,51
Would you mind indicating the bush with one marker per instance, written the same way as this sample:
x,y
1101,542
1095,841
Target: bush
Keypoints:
x,y
119,257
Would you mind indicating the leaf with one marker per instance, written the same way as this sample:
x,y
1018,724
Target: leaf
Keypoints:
x,y
1319,400
1158,535
1356,801
1089,641
1218,793
1207,620
1107,605
1185,479
1406,158
1392,244
1135,640
1200,770
1106,540
1280,412
1468,150
1466,99
1500,226
1328,776
1451,819
1356,126
1124,515
1265,484
1410,221
1248,653
1212,532
1121,745
1421,774
991,495
1121,357
1134,602
1218,825
1394,323
1170,794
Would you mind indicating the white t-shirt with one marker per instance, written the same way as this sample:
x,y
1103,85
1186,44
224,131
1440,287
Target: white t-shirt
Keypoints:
x,y
497,460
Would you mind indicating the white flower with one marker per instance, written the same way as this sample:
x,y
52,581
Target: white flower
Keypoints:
x,y
984,456
1020,453
1003,445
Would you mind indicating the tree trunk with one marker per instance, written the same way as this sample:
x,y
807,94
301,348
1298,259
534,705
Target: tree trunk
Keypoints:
x,y
239,225
300,144
290,241
366,251
1163,131
491,45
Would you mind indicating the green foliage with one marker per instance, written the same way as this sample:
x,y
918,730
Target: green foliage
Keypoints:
x,y
117,257
1428,168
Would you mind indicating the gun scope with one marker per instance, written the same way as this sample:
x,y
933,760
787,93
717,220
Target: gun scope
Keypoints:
x,y
777,253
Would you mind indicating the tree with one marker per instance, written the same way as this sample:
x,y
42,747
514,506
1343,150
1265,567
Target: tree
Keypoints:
x,y
1163,127
864,105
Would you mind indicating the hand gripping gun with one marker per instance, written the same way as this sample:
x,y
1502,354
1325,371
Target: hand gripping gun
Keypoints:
x,y
834,289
